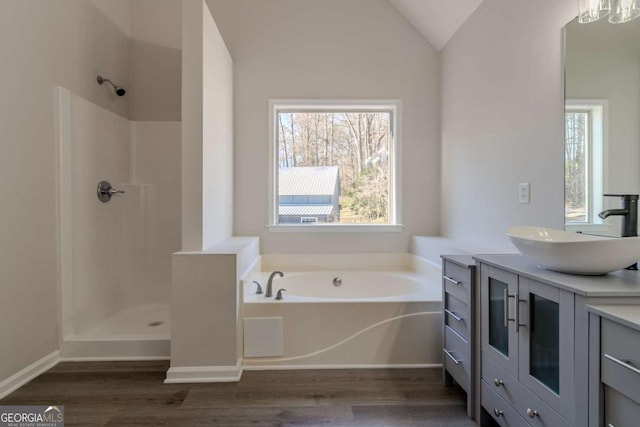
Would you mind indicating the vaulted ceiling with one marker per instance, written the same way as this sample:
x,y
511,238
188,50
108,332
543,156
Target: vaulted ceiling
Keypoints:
x,y
436,20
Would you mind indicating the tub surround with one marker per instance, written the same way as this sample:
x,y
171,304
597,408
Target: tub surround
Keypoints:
x,y
206,336
431,248
360,331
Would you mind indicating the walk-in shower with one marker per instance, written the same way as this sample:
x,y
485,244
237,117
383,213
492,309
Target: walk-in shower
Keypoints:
x,y
115,258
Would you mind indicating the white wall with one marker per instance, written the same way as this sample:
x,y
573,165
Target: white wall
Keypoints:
x,y
155,161
207,130
43,44
503,120
156,60
603,62
330,49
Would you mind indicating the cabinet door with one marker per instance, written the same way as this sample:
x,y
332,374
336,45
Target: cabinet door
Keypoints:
x,y
499,339
546,337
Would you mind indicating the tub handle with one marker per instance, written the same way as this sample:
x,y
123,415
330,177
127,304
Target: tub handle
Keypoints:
x,y
259,289
279,294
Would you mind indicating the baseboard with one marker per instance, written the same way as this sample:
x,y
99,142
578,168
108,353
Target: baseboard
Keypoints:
x,y
335,366
204,374
22,377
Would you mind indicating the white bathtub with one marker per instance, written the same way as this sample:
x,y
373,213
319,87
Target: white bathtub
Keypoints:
x,y
386,313
361,286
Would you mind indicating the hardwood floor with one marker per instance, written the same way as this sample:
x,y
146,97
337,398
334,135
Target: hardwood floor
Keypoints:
x,y
133,394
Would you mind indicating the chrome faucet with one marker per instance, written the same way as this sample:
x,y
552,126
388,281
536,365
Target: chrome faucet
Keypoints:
x,y
629,211
269,293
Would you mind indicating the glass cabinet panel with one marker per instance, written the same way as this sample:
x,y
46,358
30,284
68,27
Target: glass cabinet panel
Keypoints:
x,y
498,332
544,342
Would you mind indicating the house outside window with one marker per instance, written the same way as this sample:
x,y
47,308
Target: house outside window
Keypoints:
x,y
334,165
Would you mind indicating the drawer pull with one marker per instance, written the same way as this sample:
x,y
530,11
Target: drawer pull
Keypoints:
x,y
452,280
453,359
497,382
452,314
497,412
623,363
610,425
505,301
531,413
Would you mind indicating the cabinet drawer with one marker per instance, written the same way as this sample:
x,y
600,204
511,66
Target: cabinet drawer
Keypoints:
x,y
620,358
456,347
500,410
521,398
619,411
454,310
457,281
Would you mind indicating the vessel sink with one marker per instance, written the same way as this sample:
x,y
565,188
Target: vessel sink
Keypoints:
x,y
575,253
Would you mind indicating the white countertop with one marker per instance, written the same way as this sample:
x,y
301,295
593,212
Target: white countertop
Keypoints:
x,y
622,283
627,315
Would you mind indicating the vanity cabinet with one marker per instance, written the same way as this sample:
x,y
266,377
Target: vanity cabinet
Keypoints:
x,y
615,352
458,322
547,355
527,349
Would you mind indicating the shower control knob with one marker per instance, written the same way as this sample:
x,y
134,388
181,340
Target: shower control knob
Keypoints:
x,y
105,191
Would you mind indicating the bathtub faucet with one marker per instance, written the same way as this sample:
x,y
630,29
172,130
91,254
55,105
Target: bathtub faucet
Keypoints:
x,y
268,293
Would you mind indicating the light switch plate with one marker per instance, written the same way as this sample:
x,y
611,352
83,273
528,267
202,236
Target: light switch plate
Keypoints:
x,y
523,192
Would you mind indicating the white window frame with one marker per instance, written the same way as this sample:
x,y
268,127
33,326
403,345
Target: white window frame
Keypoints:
x,y
597,167
395,181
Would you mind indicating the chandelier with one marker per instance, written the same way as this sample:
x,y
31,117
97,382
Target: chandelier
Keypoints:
x,y
619,11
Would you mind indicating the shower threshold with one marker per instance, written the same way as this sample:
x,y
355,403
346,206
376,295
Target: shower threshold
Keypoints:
x,y
136,333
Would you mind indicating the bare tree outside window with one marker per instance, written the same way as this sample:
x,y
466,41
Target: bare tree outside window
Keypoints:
x,y
358,143
576,166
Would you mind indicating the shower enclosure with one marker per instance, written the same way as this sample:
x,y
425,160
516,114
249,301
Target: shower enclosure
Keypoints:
x,y
115,257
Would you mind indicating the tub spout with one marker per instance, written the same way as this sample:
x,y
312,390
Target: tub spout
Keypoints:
x,y
269,292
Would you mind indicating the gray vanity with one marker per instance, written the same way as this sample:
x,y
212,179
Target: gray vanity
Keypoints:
x,y
556,349
614,365
459,300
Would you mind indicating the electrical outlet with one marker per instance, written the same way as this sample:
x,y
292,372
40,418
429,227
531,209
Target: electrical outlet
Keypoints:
x,y
523,192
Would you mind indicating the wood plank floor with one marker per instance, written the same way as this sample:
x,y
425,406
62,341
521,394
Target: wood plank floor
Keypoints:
x,y
133,394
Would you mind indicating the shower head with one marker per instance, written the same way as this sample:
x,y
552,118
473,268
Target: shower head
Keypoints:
x,y
117,89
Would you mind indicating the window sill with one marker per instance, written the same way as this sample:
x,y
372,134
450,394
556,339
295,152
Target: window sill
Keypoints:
x,y
589,228
336,228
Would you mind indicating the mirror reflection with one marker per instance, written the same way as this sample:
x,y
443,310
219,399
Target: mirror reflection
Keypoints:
x,y
602,122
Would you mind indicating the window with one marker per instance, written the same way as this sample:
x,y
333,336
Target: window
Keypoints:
x,y
333,165
585,135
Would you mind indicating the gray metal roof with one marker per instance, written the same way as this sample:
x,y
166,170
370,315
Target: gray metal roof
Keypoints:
x,y
305,210
307,181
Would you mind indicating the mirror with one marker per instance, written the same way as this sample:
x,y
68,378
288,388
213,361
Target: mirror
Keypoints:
x,y
602,121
